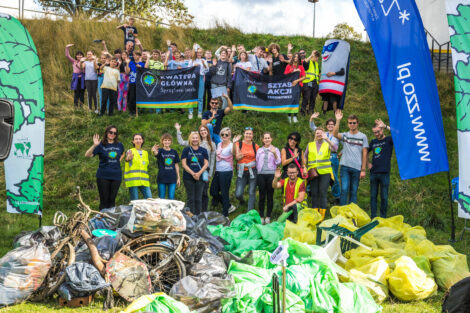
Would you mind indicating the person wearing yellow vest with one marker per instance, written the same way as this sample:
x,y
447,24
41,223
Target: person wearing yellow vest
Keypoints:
x,y
293,190
136,175
310,89
318,160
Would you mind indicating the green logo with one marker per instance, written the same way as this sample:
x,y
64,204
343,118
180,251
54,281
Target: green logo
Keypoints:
x,y
252,89
149,79
112,154
21,149
194,159
168,161
378,150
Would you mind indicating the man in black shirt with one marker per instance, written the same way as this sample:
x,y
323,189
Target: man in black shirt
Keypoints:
x,y
213,118
382,148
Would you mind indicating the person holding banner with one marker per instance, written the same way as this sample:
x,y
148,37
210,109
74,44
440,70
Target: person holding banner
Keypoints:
x,y
109,174
155,62
259,64
295,65
382,149
245,153
354,159
220,187
136,175
267,160
197,60
213,118
194,159
292,154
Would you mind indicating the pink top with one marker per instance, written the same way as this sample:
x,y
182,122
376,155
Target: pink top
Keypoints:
x,y
75,64
291,68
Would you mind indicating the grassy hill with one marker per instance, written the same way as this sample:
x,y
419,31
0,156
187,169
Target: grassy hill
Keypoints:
x,y
423,201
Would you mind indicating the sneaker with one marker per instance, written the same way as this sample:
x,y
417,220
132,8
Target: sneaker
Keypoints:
x,y
190,116
199,115
289,118
267,220
294,119
262,220
232,209
96,111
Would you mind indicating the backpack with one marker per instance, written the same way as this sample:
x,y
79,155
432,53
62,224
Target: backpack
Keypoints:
x,y
240,143
457,299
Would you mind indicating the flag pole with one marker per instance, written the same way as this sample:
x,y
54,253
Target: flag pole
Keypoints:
x,y
452,231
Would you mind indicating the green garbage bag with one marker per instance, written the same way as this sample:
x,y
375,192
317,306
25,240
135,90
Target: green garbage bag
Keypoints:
x,y
158,303
354,298
258,258
293,302
248,273
245,300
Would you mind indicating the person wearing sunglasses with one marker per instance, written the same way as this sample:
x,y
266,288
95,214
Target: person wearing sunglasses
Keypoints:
x,y
214,117
109,174
245,153
292,154
354,157
220,186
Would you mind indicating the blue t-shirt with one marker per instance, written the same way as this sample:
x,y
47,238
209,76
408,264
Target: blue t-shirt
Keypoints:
x,y
381,154
217,121
166,161
195,161
133,72
173,65
110,161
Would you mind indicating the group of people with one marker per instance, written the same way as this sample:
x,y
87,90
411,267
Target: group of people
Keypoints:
x,y
110,80
211,156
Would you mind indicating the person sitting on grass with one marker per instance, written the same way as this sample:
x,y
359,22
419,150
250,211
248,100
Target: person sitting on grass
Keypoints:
x,y
293,190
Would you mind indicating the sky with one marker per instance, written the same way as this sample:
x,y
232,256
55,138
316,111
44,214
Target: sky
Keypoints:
x,y
293,17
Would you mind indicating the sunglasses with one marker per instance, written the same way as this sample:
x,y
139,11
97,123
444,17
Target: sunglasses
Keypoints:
x,y
225,135
214,102
292,138
352,123
248,128
112,133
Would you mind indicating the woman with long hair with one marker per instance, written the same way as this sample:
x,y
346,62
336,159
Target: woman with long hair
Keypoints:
x,y
295,65
136,174
292,153
209,145
243,61
168,167
268,158
123,82
78,76
109,174
194,159
90,67
220,186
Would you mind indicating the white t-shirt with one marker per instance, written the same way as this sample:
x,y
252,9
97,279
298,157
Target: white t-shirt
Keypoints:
x,y
110,78
203,67
90,72
222,163
245,65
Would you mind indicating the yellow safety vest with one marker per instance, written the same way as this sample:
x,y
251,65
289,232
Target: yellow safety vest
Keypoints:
x,y
296,190
312,73
321,159
135,171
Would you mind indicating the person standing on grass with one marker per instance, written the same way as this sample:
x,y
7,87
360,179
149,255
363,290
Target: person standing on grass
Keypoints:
x,y
221,75
382,149
131,70
168,167
312,78
267,160
78,76
245,153
109,85
123,81
259,64
354,157
243,62
136,176
220,187
194,159
197,60
130,31
101,77
90,67
295,65
293,190
292,154
277,66
155,62
109,174
207,144
207,78
213,118
330,125
319,169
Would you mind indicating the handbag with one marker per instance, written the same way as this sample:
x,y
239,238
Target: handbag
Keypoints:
x,y
205,174
312,173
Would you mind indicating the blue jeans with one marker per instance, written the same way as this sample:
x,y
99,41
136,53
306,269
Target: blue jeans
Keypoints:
x,y
163,188
100,82
336,188
215,137
240,188
144,190
349,184
376,180
200,96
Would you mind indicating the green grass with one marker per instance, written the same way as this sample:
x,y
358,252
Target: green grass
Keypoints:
x,y
423,201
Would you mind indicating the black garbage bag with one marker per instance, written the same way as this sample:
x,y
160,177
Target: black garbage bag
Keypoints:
x,y
196,227
112,218
82,279
49,235
214,218
457,300
108,245
195,250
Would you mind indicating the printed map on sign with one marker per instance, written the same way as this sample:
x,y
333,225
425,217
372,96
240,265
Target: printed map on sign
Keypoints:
x,y
458,16
21,83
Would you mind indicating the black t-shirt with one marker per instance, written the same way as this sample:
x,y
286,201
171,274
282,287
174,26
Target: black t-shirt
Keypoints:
x,y
278,66
217,121
110,161
129,32
194,160
381,154
166,161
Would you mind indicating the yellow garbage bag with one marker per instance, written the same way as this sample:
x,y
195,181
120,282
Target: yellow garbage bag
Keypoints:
x,y
359,256
387,233
408,282
372,275
340,221
309,217
305,230
158,302
351,211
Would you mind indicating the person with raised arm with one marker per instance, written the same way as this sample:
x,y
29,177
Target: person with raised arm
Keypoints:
x,y
295,65
90,66
293,190
214,117
78,76
168,167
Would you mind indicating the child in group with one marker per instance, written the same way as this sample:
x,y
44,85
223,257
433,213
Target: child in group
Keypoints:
x,y
78,76
154,63
100,76
130,31
131,69
136,174
124,82
168,169
109,85
90,66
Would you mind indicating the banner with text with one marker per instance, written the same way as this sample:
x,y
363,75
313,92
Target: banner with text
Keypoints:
x,y
458,15
408,84
21,84
264,93
167,89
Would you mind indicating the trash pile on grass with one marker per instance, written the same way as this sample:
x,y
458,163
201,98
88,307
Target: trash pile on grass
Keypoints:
x,y
206,263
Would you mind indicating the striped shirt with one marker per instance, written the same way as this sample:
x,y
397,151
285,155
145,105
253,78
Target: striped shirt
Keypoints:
x,y
352,149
